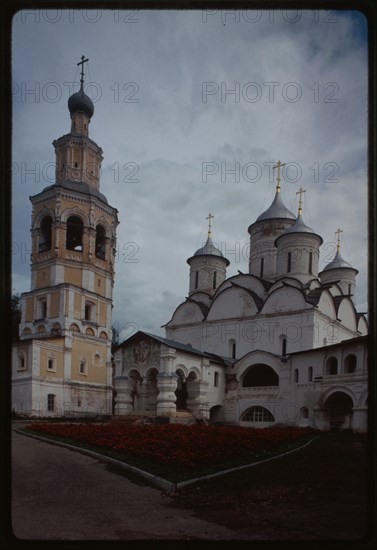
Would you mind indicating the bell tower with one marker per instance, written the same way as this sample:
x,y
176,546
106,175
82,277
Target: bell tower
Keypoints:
x,y
65,328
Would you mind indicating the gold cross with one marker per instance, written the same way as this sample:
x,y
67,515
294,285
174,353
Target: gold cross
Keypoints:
x,y
337,233
83,60
278,165
300,192
209,218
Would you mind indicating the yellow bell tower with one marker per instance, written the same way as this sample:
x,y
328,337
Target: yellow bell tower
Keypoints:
x,y
62,365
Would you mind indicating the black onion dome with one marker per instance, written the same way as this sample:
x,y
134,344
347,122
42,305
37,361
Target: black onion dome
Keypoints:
x,y
81,102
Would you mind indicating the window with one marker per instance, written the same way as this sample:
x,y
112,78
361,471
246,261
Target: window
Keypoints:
x,y
82,368
51,364
42,308
21,362
50,402
284,347
350,364
89,314
260,375
257,414
349,288
45,237
311,263
295,376
289,262
214,279
261,267
332,366
310,374
75,230
196,279
233,349
216,380
100,242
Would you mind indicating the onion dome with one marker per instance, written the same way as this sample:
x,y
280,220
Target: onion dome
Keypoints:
x,y
338,263
300,227
209,249
276,210
81,102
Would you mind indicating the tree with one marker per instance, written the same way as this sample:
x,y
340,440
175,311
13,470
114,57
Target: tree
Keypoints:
x,y
16,316
115,336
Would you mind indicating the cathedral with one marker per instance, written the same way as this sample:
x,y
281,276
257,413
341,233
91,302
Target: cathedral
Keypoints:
x,y
280,345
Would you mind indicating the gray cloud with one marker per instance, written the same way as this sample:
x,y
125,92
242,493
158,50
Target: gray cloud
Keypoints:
x,y
147,80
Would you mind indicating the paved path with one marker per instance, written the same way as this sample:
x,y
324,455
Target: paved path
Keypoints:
x,y
60,494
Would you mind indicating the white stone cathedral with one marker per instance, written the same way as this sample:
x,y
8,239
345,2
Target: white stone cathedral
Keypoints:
x,y
280,345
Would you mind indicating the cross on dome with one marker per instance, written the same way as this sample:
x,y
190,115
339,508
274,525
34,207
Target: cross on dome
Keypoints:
x,y
337,234
278,165
83,60
209,218
300,192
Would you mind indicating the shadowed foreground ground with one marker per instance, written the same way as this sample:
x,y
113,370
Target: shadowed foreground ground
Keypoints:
x,y
318,493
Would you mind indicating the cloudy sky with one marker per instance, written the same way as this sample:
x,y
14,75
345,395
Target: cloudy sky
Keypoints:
x,y
191,110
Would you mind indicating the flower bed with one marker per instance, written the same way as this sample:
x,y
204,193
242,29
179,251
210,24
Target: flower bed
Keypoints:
x,y
177,451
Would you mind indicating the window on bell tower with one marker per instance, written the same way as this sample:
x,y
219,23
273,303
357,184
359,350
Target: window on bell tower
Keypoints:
x,y
75,230
45,237
100,242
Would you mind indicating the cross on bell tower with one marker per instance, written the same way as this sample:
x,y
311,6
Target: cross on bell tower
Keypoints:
x,y
83,60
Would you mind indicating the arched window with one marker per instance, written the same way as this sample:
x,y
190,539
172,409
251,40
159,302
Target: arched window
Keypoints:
x,y
45,238
257,414
332,366
232,348
311,263
75,230
214,280
196,279
260,375
350,363
310,374
216,380
100,242
304,412
295,376
284,347
261,267
349,288
289,262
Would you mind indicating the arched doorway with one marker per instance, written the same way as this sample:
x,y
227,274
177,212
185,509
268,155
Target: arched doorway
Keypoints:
x,y
260,375
338,409
216,414
181,391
